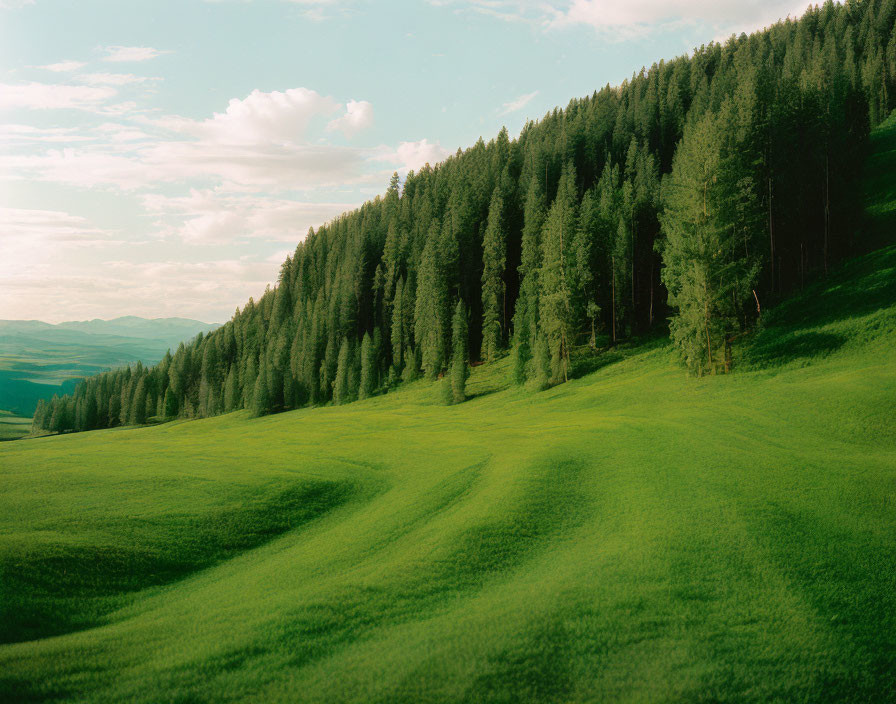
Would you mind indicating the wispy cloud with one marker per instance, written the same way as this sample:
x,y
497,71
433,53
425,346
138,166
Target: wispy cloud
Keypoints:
x,y
635,18
45,96
113,79
131,53
63,66
517,103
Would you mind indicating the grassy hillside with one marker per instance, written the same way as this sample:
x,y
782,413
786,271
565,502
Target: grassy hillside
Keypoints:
x,y
633,535
13,427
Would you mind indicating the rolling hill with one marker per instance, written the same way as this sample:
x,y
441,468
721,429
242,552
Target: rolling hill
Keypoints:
x,y
633,535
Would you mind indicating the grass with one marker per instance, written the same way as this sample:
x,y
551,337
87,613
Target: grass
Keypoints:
x,y
12,427
634,535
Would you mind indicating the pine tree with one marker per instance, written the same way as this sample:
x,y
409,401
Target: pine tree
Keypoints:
x,y
460,370
137,411
261,402
231,391
525,319
555,299
341,392
708,275
368,368
494,257
430,309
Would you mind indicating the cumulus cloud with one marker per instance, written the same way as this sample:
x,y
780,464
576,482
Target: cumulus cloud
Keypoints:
x,y
517,103
131,53
413,155
358,116
45,96
274,117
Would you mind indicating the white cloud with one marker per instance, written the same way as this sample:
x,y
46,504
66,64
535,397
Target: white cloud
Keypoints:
x,y
642,15
112,79
358,116
413,155
203,290
131,53
45,96
634,18
13,133
30,237
208,217
63,66
517,103
274,117
87,168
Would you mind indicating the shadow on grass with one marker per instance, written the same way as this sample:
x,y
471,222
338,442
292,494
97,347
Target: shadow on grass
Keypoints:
x,y
64,588
592,362
775,347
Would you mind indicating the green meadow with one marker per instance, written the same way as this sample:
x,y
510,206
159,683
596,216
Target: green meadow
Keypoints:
x,y
12,427
633,535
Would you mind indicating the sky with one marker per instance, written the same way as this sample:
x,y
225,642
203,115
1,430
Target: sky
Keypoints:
x,y
163,158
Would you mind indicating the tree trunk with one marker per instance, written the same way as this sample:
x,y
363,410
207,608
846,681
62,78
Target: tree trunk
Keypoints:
x,y
613,306
827,208
771,233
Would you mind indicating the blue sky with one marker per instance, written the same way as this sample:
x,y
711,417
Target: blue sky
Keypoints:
x,y
161,158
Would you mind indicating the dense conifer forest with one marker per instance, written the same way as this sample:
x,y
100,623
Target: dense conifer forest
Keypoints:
x,y
691,197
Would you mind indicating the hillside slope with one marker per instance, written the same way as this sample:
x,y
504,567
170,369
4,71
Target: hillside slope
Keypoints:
x,y
633,535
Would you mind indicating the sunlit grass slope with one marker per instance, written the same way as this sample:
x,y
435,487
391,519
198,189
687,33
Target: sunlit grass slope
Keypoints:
x,y
13,427
633,535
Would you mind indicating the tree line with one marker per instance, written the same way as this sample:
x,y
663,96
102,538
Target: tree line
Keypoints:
x,y
693,195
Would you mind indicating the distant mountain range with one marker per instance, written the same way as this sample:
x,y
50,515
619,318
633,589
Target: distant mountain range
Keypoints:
x,y
39,359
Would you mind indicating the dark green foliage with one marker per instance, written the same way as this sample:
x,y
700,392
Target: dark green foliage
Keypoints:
x,y
559,231
341,386
460,369
494,258
368,368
